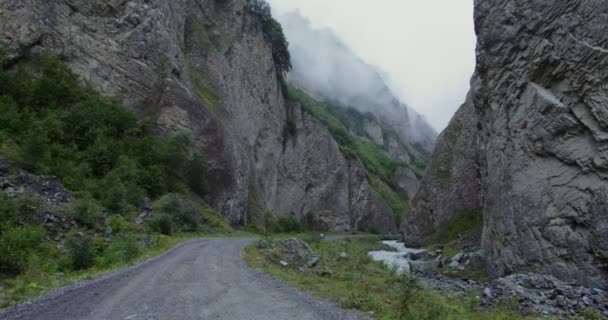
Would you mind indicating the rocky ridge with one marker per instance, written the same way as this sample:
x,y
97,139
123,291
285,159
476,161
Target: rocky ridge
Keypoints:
x,y
529,146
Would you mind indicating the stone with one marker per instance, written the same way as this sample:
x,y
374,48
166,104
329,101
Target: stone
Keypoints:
x,y
487,292
529,147
294,253
312,262
458,257
424,267
586,300
342,255
422,255
454,264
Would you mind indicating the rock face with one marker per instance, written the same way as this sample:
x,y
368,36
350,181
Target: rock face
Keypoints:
x,y
204,66
451,187
531,142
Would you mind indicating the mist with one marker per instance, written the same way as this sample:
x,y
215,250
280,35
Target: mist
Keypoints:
x,y
424,51
327,68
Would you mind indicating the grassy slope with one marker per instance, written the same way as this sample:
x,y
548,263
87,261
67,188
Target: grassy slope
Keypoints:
x,y
51,124
358,282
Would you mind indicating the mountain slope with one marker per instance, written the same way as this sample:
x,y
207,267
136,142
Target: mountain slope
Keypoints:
x,y
326,68
529,147
205,67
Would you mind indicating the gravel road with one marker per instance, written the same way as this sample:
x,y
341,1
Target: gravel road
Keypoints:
x,y
200,279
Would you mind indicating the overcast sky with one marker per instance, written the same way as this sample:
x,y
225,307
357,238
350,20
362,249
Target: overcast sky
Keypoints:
x,y
426,47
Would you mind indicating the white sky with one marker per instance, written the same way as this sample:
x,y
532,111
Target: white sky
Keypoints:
x,y
427,47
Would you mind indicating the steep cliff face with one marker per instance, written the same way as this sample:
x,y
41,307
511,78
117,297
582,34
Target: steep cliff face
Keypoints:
x,y
451,188
536,129
204,66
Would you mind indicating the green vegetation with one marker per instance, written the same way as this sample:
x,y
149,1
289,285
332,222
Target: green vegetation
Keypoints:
x,y
274,35
355,281
206,94
97,147
50,124
272,225
397,203
375,160
174,212
470,221
378,163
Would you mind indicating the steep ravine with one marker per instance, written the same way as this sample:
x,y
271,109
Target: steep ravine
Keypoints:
x,y
205,66
530,144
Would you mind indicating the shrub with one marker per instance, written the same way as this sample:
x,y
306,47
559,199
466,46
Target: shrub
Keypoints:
x,y
16,209
268,221
590,314
289,224
163,224
215,221
117,223
17,245
254,227
80,248
123,249
86,212
311,238
184,213
273,32
94,144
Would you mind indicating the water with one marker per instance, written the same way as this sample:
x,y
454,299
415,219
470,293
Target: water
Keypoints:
x,y
395,259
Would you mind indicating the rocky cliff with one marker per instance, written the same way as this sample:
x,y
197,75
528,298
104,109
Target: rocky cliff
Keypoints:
x,y
205,66
530,145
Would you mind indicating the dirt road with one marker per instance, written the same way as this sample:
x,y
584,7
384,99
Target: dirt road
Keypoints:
x,y
200,279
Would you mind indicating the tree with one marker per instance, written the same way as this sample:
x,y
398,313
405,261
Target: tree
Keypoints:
x,y
273,32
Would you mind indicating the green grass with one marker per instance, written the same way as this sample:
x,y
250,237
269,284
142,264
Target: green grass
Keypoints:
x,y
397,203
357,282
207,95
470,221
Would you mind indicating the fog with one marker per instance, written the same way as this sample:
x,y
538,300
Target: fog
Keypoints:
x,y
425,50
327,68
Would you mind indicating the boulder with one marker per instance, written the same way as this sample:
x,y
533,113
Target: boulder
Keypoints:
x,y
425,267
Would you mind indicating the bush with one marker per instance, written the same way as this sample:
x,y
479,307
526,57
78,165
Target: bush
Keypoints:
x,y
312,238
254,226
289,224
117,223
94,144
269,222
215,221
163,224
16,209
184,213
80,248
123,249
17,245
86,212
